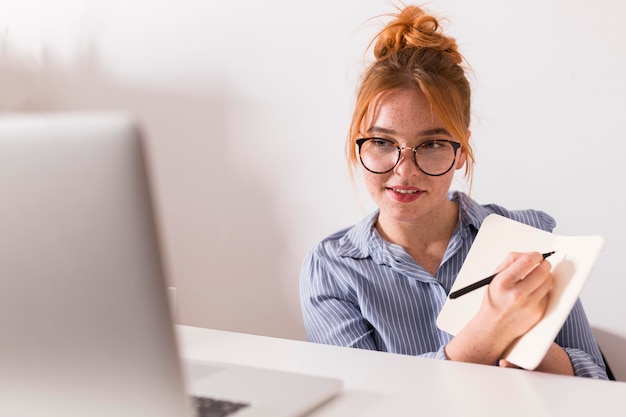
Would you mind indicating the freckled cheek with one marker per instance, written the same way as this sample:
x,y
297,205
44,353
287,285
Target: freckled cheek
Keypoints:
x,y
374,183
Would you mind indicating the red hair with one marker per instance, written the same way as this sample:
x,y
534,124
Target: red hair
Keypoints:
x,y
412,52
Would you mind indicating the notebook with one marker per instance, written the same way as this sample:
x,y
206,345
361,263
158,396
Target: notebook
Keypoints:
x,y
84,318
572,264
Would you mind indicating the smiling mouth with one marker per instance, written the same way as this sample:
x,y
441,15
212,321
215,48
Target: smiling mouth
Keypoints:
x,y
405,191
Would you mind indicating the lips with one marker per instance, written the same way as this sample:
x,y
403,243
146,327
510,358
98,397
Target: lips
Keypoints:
x,y
405,194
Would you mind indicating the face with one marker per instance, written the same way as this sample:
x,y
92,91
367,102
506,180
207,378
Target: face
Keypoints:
x,y
406,194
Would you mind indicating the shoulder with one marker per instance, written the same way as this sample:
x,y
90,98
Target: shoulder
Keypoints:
x,y
477,212
353,241
327,267
531,217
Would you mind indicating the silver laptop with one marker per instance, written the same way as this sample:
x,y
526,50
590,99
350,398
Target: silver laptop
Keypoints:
x,y
84,323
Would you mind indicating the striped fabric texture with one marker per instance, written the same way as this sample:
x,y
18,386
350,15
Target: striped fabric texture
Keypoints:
x,y
358,290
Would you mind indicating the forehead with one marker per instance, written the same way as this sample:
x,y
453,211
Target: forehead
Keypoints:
x,y
405,111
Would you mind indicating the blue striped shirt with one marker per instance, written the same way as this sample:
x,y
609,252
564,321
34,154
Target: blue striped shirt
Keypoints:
x,y
359,290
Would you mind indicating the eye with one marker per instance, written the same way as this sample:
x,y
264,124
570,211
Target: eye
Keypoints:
x,y
382,143
433,145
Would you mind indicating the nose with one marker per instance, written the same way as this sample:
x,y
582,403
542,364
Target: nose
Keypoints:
x,y
406,166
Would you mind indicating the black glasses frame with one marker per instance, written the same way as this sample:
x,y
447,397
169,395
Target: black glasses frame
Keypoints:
x,y
455,146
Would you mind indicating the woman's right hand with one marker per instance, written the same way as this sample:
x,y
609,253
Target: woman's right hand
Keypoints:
x,y
518,296
514,302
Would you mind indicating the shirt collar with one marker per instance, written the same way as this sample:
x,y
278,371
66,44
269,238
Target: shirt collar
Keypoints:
x,y
363,240
358,241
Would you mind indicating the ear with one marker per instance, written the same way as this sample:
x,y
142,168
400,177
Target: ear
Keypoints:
x,y
462,159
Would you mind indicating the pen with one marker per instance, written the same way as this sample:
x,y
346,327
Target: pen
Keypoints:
x,y
483,282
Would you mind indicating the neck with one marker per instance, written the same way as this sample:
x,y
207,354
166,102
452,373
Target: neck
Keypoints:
x,y
425,239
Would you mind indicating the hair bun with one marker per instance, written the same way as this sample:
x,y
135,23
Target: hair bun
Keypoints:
x,y
413,28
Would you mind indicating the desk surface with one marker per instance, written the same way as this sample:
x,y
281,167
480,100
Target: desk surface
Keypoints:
x,y
383,384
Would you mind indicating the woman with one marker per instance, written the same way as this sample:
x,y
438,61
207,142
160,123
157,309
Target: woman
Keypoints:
x,y
381,283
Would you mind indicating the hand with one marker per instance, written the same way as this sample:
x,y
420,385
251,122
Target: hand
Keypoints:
x,y
518,296
515,301
556,361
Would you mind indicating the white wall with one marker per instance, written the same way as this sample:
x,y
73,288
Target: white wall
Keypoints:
x,y
247,104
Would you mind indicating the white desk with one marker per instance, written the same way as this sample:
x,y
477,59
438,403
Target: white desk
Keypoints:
x,y
382,384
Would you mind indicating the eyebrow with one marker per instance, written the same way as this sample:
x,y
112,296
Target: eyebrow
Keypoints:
x,y
429,132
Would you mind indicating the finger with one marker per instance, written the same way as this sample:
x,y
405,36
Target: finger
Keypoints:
x,y
521,266
538,281
508,260
503,363
541,293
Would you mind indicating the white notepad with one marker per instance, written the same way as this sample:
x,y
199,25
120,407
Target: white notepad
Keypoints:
x,y
571,266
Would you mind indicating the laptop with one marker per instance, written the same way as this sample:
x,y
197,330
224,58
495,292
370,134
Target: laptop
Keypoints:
x,y
84,321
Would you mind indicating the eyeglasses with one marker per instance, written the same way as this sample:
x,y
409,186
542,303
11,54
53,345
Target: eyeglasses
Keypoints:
x,y
433,157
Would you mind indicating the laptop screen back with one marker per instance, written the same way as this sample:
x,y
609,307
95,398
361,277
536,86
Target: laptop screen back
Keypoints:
x,y
82,318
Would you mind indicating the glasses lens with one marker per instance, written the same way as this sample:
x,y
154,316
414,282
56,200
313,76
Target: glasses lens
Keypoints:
x,y
379,155
435,157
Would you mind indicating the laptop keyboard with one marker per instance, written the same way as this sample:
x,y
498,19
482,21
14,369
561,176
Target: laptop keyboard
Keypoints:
x,y
211,407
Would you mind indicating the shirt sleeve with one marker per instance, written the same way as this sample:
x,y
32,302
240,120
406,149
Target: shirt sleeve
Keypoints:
x,y
580,345
330,308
